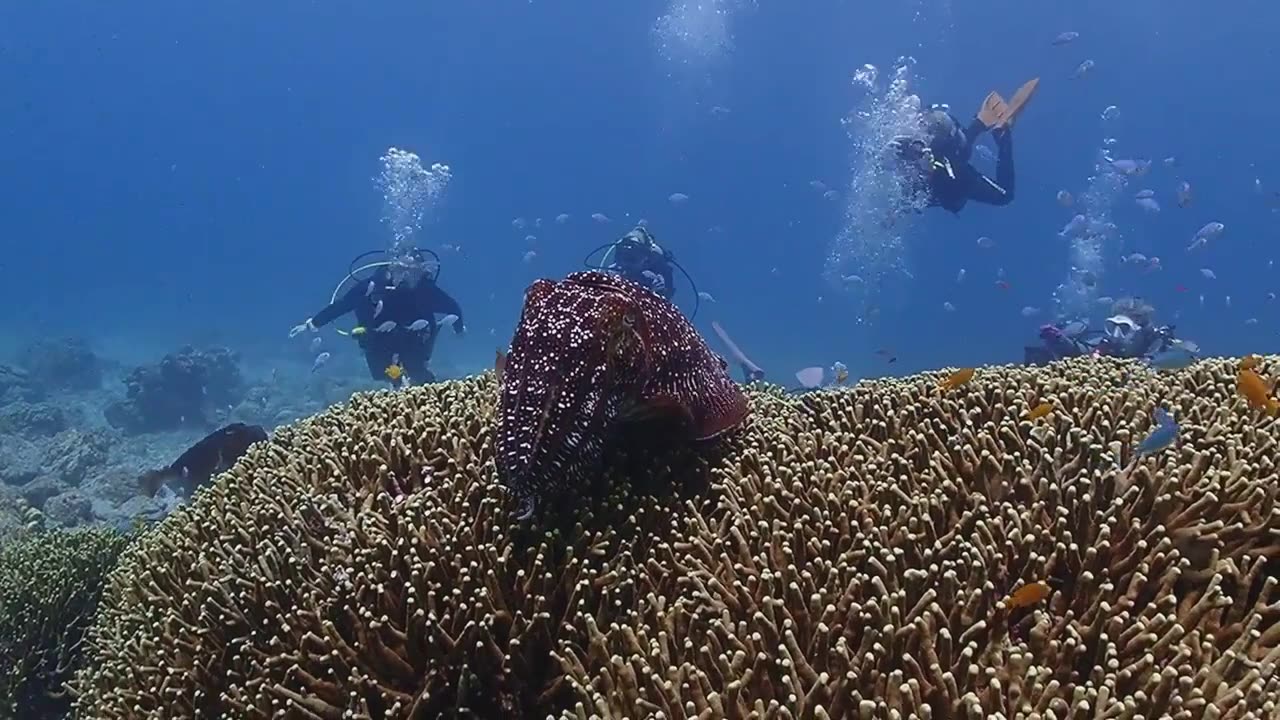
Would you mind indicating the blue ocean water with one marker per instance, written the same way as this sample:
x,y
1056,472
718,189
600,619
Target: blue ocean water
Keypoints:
x,y
203,173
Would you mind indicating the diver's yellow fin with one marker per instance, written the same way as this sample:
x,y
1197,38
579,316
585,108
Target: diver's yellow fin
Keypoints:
x,y
1019,101
992,110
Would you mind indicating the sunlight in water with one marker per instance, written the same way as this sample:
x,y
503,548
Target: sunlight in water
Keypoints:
x,y
880,208
695,33
1089,232
409,192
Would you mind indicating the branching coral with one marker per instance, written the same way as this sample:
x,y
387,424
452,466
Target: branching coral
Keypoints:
x,y
50,583
852,553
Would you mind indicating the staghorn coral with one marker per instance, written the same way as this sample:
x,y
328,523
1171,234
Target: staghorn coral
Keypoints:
x,y
848,555
50,583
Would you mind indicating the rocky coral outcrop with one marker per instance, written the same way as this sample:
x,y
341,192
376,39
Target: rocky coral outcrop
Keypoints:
x,y
179,391
72,455
32,420
862,552
62,364
21,460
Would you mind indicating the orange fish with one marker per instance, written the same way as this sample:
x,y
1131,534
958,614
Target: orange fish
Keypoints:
x,y
499,363
956,379
1250,362
1028,595
1039,411
1254,390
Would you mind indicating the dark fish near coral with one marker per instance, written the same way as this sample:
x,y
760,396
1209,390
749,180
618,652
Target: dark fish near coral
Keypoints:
x,y
216,453
590,351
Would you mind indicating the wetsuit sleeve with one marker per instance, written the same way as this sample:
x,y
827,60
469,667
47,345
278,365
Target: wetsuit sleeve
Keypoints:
x,y
999,191
342,306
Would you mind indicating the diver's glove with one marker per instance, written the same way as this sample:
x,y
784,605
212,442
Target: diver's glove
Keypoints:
x,y
299,329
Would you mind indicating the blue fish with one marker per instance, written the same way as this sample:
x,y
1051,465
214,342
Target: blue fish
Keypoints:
x,y
1174,358
1164,434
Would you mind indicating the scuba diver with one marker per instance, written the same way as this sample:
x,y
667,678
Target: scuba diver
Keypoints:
x,y
1124,337
395,314
938,165
639,258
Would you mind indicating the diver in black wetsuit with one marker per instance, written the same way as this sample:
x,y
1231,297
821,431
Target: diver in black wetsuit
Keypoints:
x,y
938,165
639,258
406,294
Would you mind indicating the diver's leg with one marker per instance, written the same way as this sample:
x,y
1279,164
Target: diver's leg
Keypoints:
x,y
999,191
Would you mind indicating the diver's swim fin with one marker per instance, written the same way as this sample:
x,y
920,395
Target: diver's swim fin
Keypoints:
x,y
1019,101
993,110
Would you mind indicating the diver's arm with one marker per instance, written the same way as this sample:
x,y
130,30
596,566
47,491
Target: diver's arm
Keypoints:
x,y
443,303
340,307
998,191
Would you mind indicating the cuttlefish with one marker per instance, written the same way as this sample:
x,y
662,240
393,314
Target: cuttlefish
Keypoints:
x,y
590,352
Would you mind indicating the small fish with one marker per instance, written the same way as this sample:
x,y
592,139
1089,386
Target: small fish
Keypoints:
x,y
1134,258
499,364
1076,227
1065,199
960,276
1254,390
956,379
948,306
840,372
706,296
1271,297
316,342
818,185
1065,38
600,217
1251,321
677,198
1040,411
986,243
518,223
530,256
1148,193
369,290
1082,69
387,326
394,372
1208,273
1183,193
320,360
377,310
562,218
1173,358
1028,595
1171,161
1162,436
1002,284
419,324
1148,204
852,280
1111,112
531,239
358,330
830,195
1030,311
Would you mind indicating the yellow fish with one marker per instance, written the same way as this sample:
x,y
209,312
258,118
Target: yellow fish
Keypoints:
x,y
956,379
358,330
1254,390
1248,362
394,371
1039,411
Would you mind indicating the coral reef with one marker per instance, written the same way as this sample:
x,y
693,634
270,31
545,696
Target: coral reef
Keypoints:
x,y
63,364
32,420
178,391
50,583
855,552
